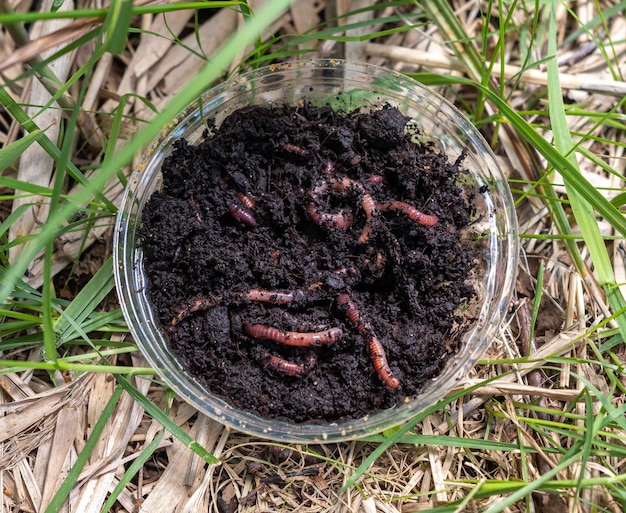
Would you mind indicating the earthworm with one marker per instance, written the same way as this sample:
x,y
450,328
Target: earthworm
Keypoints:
x,y
247,201
276,298
376,349
199,304
370,207
376,179
351,312
266,296
293,148
322,186
242,214
368,203
279,364
379,360
344,184
293,338
411,212
340,220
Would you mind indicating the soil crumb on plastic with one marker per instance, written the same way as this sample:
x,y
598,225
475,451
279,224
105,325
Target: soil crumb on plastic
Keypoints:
x,y
291,223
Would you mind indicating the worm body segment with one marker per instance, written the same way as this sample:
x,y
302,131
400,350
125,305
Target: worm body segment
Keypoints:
x,y
274,297
294,338
340,220
247,201
343,220
294,148
199,304
242,214
279,364
411,212
379,360
262,295
376,349
376,179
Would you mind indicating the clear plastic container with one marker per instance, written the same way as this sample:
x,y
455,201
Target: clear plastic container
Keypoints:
x,y
348,86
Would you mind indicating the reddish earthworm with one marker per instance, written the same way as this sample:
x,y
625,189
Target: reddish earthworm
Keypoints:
x,y
242,214
347,184
379,360
376,349
411,212
340,220
247,201
278,364
344,184
293,148
199,304
293,338
376,179
368,203
351,312
370,208
267,296
353,315
276,298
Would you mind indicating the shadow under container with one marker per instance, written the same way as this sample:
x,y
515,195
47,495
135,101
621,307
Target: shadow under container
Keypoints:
x,y
345,86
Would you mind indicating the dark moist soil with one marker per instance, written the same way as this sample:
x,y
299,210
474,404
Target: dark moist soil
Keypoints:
x,y
203,246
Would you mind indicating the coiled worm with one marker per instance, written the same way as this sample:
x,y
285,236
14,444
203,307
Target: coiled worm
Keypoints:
x,y
340,220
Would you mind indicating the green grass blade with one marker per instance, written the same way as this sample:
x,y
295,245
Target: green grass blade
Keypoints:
x,y
56,5
117,24
133,469
9,154
537,300
138,10
581,208
568,459
20,185
51,149
165,421
69,482
440,12
67,326
48,297
61,364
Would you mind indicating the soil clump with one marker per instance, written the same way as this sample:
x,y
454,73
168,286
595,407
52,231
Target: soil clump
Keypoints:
x,y
286,248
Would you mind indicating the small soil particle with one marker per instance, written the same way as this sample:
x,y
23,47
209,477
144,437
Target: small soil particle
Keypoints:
x,y
286,249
